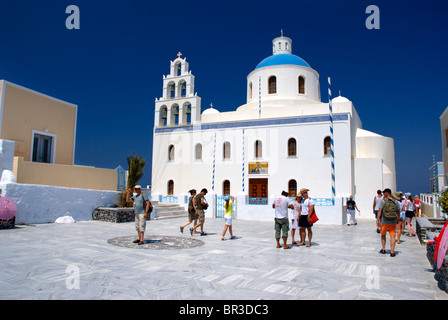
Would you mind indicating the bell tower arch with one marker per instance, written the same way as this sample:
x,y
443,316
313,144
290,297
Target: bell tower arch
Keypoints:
x,y
179,104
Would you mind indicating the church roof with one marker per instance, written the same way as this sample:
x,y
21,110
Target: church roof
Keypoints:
x,y
283,59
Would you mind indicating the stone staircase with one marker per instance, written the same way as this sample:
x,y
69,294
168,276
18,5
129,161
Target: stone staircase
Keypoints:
x,y
168,210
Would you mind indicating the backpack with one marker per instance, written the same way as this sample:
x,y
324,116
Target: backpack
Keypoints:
x,y
389,209
145,198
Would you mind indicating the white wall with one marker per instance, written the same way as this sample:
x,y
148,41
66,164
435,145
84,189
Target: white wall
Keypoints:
x,y
44,204
311,169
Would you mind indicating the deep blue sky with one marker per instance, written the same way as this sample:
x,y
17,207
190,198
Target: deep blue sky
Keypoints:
x,y
112,67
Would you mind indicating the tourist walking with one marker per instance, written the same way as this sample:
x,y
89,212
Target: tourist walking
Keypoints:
x,y
351,213
200,205
401,222
228,216
417,204
388,212
192,216
142,207
295,218
410,213
376,201
306,210
281,205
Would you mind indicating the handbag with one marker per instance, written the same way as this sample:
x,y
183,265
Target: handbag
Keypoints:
x,y
313,217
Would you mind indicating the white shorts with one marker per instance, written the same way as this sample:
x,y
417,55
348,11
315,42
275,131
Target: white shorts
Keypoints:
x,y
295,224
228,220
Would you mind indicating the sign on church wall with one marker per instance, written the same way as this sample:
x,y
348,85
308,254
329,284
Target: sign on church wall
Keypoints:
x,y
258,168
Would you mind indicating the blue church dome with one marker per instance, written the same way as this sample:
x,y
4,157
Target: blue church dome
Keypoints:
x,y
283,59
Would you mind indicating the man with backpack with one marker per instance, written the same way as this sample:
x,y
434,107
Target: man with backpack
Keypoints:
x,y
388,212
142,207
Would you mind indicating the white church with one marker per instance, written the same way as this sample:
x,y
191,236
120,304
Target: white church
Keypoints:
x,y
279,139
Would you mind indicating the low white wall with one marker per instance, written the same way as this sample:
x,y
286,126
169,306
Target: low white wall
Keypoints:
x,y
328,215
44,204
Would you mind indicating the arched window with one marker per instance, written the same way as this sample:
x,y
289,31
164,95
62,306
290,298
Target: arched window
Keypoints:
x,y
327,146
258,149
163,112
292,188
170,188
301,85
272,83
186,109
226,187
292,147
226,150
198,152
171,153
175,115
172,91
250,90
178,69
183,89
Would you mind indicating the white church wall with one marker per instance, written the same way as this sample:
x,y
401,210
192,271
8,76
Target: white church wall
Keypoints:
x,y
287,83
327,214
310,168
368,179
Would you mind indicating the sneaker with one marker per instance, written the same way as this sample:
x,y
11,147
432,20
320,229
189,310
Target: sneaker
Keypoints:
x,y
232,237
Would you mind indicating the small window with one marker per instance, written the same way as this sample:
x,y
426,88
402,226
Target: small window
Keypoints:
x,y
301,85
327,146
272,83
198,152
258,149
292,147
226,150
171,153
446,136
178,69
292,188
250,90
170,188
226,187
42,148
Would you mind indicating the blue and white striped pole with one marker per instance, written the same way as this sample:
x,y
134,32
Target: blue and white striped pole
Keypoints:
x,y
243,165
214,163
333,180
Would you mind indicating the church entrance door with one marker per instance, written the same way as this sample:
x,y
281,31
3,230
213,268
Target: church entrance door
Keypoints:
x,y
258,191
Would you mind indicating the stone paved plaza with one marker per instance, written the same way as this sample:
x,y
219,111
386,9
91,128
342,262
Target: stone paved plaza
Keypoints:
x,y
96,260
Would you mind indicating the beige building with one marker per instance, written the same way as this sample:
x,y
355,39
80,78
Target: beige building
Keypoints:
x,y
43,129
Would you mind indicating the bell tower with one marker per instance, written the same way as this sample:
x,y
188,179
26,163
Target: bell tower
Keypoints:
x,y
179,104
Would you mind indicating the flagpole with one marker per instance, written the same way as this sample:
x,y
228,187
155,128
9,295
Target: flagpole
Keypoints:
x,y
333,180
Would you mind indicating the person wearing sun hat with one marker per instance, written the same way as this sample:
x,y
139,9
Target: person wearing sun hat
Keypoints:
x,y
307,209
142,207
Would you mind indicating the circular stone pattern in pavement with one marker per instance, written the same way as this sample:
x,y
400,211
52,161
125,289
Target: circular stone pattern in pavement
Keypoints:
x,y
156,242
